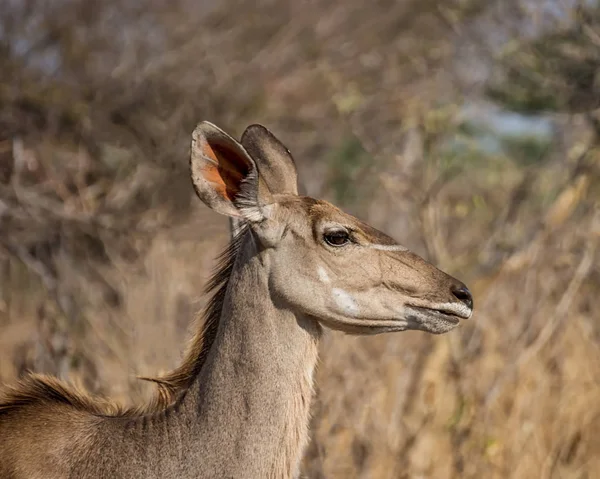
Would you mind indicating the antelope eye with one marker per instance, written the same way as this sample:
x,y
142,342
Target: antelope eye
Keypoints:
x,y
337,238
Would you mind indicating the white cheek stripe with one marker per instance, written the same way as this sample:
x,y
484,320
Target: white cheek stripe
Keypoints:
x,y
323,276
346,302
387,247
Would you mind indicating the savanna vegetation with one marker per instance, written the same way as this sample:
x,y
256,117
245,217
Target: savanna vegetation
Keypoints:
x,y
467,129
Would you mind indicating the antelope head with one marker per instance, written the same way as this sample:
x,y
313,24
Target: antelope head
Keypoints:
x,y
321,262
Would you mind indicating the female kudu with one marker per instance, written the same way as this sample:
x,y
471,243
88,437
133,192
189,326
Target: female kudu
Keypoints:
x,y
238,405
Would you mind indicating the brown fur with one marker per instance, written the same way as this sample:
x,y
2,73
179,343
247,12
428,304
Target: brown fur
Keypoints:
x,y
40,389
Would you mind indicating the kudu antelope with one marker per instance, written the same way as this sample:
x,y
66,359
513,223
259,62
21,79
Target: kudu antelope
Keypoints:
x,y
238,405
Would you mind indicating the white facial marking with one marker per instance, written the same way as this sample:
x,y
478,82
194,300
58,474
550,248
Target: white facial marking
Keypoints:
x,y
387,247
346,302
253,214
323,276
267,210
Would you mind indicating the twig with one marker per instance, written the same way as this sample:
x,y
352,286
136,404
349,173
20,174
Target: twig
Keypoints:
x,y
560,314
42,271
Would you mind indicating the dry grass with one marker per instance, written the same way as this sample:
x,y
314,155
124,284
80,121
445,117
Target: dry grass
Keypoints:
x,y
103,255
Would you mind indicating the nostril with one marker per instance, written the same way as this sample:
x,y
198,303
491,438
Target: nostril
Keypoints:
x,y
463,294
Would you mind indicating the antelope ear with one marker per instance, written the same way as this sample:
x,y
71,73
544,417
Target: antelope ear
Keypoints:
x,y
274,161
224,175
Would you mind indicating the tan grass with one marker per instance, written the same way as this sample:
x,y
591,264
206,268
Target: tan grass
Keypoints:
x,y
103,255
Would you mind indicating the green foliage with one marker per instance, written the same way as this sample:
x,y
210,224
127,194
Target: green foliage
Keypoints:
x,y
460,157
523,95
475,141
526,149
471,129
345,162
557,71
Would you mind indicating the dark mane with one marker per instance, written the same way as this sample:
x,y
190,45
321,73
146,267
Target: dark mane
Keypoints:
x,y
181,377
36,389
42,389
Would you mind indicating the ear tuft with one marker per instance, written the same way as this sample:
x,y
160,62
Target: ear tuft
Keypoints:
x,y
247,198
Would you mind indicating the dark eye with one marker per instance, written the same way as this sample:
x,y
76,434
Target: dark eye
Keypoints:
x,y
337,238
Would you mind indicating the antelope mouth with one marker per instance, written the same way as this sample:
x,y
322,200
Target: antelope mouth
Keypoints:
x,y
453,312
437,320
439,313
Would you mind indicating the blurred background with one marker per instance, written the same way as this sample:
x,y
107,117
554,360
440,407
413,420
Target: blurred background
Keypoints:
x,y
467,129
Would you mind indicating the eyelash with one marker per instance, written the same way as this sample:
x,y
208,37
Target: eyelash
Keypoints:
x,y
330,238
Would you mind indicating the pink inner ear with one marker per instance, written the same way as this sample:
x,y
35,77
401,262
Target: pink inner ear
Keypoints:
x,y
230,170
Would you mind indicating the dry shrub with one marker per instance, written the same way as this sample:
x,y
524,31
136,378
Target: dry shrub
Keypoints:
x,y
103,255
